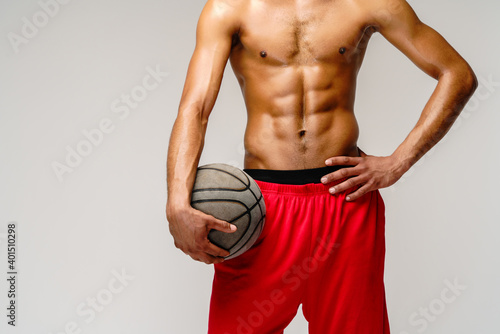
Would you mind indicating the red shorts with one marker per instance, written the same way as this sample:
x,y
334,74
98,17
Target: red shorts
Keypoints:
x,y
316,249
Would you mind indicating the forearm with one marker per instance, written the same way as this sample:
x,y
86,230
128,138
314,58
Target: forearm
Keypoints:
x,y
452,92
185,147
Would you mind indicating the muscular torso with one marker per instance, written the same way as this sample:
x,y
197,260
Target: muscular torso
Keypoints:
x,y
297,62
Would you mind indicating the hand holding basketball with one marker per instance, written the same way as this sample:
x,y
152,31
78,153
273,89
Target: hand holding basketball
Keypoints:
x,y
228,193
224,200
190,228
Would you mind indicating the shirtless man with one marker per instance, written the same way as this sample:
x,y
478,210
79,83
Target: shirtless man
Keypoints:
x,y
323,242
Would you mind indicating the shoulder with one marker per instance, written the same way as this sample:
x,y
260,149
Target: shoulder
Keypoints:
x,y
226,12
384,13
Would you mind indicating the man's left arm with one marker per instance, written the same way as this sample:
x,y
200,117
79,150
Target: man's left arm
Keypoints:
x,y
398,23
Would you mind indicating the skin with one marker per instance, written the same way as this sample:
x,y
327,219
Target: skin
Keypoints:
x,y
297,62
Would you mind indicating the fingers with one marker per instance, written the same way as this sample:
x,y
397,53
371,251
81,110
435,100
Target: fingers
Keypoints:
x,y
342,161
199,253
191,236
340,174
354,179
214,250
221,225
351,183
347,184
209,257
360,192
207,252
204,245
206,258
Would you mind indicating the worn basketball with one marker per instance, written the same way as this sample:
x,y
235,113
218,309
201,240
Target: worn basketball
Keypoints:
x,y
228,193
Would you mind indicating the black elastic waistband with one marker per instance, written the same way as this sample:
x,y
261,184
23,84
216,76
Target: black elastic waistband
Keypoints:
x,y
300,176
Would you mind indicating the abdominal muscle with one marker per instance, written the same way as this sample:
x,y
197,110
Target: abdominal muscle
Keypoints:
x,y
298,116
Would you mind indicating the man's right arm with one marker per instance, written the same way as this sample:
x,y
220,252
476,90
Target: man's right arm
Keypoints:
x,y
188,226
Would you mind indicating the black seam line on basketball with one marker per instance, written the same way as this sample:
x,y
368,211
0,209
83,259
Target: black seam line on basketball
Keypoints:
x,y
254,195
258,200
219,200
255,229
248,209
216,189
232,201
261,224
237,178
242,234
248,212
224,189
247,186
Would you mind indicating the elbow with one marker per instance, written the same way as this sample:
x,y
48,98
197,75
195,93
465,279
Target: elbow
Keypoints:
x,y
462,79
469,81
466,79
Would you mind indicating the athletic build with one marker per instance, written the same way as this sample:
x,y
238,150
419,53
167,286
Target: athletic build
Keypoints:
x,y
297,63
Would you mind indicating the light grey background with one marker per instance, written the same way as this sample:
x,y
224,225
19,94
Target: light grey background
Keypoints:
x,y
107,215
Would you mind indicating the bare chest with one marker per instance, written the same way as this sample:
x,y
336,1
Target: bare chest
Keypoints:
x,y
289,32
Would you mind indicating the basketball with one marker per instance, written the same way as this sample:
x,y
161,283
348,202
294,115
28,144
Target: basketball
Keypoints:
x,y
228,193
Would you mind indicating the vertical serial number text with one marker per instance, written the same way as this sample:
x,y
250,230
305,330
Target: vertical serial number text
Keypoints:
x,y
11,273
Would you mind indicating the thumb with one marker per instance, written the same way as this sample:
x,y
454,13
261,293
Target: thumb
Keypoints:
x,y
221,225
